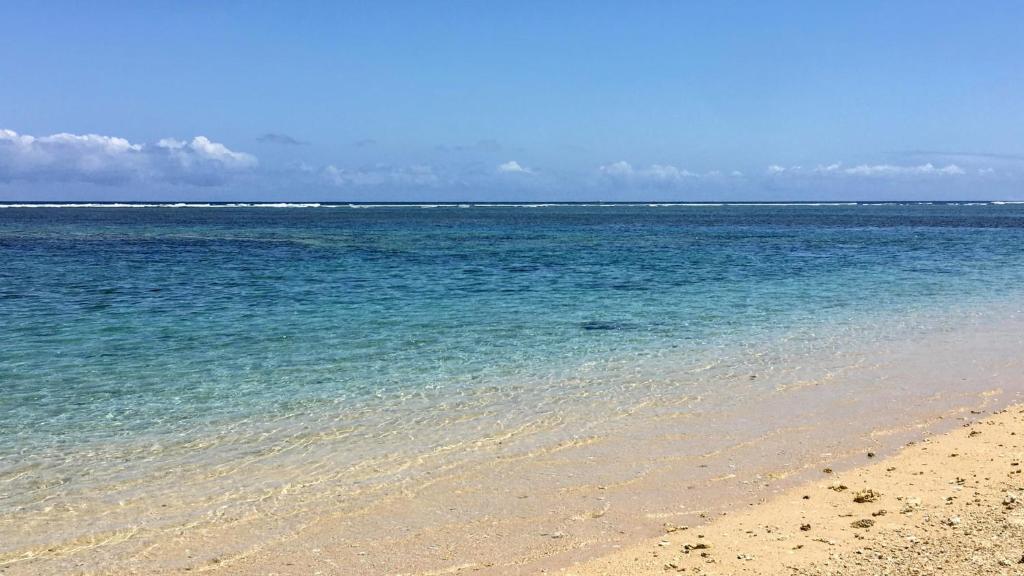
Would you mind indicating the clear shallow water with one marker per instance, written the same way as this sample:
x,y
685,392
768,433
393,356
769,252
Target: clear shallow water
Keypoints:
x,y
362,346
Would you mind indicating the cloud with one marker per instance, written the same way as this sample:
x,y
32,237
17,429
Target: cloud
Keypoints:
x,y
202,150
869,170
98,159
666,173
365,142
89,157
655,174
282,139
381,175
620,168
513,167
893,170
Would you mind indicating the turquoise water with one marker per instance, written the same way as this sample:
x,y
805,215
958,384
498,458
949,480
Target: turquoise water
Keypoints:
x,y
119,321
128,330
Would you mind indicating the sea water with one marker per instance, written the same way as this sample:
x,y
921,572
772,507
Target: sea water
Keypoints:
x,y
165,366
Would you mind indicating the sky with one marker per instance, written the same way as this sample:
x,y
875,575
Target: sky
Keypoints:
x,y
518,101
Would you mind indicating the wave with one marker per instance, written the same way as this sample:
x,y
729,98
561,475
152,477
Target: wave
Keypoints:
x,y
163,205
479,204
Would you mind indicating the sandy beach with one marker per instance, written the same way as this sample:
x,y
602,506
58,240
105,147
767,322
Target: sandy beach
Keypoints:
x,y
951,504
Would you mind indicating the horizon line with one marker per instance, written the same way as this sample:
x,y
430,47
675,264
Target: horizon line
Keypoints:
x,y
312,203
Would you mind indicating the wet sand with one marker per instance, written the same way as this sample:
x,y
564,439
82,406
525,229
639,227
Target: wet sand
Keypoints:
x,y
952,504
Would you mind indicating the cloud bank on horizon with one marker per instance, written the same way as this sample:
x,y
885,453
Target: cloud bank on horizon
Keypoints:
x,y
114,164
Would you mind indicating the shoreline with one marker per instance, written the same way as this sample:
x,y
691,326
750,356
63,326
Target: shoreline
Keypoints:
x,y
952,503
589,500
582,503
950,500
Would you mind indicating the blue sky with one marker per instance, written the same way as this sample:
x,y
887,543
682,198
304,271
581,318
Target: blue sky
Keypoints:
x,y
511,101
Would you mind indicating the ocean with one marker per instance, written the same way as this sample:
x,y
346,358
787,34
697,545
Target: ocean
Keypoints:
x,y
236,370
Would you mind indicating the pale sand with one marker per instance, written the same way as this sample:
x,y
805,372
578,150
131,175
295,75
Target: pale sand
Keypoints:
x,y
953,504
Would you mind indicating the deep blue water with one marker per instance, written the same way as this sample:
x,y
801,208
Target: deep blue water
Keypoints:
x,y
116,322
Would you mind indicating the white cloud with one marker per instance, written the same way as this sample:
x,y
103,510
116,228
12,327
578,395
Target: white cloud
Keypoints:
x,y
620,168
656,174
201,149
64,156
893,170
381,175
513,167
667,173
108,159
870,170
